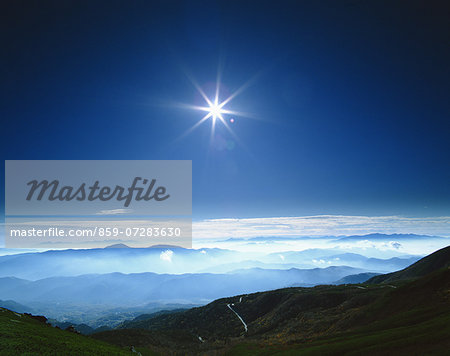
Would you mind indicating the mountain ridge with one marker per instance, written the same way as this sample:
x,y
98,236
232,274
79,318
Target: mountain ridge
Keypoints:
x,y
437,260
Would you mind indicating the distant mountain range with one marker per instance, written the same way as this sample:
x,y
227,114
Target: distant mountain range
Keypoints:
x,y
117,289
17,307
330,257
106,286
175,260
372,236
54,263
356,278
388,237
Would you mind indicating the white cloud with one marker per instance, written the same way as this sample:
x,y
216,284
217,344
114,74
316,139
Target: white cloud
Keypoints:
x,y
320,261
114,212
166,255
395,244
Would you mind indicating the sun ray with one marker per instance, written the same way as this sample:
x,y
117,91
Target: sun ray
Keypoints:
x,y
218,85
188,131
199,89
239,113
239,90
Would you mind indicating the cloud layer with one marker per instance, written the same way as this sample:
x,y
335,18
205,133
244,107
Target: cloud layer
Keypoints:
x,y
321,225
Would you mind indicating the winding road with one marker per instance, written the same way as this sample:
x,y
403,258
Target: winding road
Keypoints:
x,y
242,320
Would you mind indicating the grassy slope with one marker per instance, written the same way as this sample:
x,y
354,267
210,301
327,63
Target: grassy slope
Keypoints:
x,y
412,320
22,335
427,337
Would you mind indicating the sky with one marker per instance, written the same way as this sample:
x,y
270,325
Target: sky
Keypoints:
x,y
348,99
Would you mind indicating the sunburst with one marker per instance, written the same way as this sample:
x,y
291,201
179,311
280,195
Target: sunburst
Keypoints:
x,y
216,109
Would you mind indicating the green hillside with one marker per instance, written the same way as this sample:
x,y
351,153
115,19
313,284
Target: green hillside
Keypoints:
x,y
401,318
411,320
20,334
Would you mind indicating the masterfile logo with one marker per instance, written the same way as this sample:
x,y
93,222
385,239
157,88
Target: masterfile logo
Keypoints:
x,y
93,192
93,187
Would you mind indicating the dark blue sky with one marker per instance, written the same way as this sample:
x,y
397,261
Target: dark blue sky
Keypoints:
x,y
351,98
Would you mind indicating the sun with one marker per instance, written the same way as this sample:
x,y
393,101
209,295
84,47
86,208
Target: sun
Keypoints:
x,y
214,109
